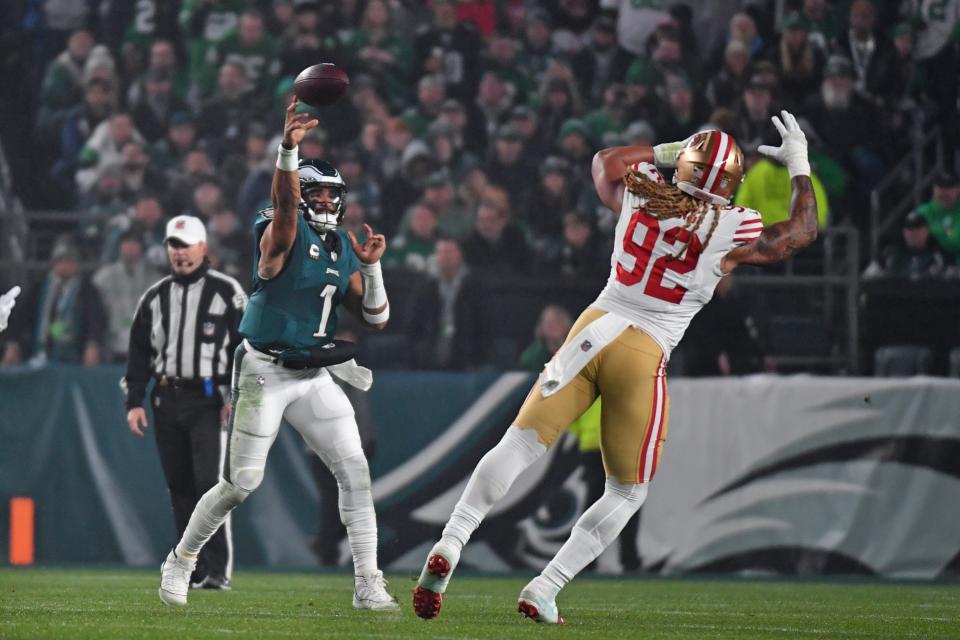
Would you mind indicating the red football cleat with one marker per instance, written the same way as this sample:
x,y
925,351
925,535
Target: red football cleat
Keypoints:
x,y
426,603
438,566
433,581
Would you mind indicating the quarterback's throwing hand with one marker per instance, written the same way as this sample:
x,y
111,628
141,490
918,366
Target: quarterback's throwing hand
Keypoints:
x,y
296,126
371,250
792,152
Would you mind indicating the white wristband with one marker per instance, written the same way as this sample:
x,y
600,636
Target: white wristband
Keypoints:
x,y
798,167
377,318
287,159
372,270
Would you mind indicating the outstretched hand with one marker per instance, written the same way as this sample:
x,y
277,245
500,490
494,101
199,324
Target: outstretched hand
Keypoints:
x,y
370,251
792,152
296,125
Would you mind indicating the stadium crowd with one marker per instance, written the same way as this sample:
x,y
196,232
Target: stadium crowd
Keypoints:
x,y
466,137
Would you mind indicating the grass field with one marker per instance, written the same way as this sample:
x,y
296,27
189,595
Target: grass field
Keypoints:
x,y
65,604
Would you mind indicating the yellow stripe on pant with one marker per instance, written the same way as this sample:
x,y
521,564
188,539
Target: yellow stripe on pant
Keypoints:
x,y
630,375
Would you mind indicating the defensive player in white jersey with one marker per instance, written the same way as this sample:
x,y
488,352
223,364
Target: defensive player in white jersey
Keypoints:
x,y
673,244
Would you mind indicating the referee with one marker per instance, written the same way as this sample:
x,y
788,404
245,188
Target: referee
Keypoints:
x,y
183,335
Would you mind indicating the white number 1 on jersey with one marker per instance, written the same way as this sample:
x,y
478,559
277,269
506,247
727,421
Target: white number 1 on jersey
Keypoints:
x,y
327,295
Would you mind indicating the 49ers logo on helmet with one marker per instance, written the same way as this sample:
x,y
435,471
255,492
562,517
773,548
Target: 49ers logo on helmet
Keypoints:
x,y
710,167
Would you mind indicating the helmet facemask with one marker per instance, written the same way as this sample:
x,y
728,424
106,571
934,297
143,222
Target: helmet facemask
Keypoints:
x,y
321,216
710,167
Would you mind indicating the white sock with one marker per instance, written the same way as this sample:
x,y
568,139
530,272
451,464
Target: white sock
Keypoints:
x,y
356,511
595,530
517,450
211,510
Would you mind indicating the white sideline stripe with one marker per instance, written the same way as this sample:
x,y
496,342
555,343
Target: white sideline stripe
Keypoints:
x,y
129,532
506,384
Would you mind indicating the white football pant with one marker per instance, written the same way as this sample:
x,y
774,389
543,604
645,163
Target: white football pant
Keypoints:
x,y
309,399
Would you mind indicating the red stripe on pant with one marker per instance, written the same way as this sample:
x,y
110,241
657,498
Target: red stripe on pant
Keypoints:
x,y
663,416
653,425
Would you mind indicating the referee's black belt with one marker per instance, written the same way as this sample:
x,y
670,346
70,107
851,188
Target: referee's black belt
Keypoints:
x,y
180,383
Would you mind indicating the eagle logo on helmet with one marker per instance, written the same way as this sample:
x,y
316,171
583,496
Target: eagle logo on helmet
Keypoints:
x,y
316,174
710,167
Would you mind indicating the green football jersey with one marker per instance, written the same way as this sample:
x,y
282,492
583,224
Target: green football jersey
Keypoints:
x,y
297,308
261,60
220,19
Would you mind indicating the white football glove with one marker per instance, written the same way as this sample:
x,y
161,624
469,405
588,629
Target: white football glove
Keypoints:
x,y
665,154
7,301
792,152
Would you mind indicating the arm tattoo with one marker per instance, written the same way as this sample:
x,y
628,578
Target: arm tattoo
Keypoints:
x,y
782,240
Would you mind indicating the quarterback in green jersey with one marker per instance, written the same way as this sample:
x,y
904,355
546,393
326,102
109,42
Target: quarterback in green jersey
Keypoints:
x,y
305,266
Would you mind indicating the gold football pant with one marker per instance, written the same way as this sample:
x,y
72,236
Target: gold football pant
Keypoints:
x,y
630,375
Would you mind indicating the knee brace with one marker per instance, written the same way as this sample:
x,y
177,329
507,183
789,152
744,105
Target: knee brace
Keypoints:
x,y
355,500
245,480
352,473
230,494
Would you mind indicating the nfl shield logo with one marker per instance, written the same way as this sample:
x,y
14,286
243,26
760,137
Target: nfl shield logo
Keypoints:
x,y
208,328
261,380
586,345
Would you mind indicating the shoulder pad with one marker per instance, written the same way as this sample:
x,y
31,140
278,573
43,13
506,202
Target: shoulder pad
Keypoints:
x,y
649,170
743,212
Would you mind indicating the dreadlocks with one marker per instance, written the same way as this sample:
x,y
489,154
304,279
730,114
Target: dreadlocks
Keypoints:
x,y
664,201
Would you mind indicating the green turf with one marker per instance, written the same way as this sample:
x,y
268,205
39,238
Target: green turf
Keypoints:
x,y
63,604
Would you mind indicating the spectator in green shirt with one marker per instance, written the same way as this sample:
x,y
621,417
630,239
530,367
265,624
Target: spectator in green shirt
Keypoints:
x,y
610,118
766,188
914,256
942,213
204,23
381,51
254,48
413,248
551,330
63,80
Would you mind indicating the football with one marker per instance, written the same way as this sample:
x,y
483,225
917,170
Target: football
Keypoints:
x,y
321,84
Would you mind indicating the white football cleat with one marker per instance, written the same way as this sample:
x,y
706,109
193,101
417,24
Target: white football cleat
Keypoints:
x,y
175,579
538,608
434,578
370,592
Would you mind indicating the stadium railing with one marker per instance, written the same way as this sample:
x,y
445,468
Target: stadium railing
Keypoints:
x,y
807,306
904,186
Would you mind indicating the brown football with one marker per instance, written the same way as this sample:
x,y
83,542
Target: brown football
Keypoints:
x,y
321,84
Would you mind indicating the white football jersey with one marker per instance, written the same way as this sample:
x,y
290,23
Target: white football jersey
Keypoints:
x,y
648,285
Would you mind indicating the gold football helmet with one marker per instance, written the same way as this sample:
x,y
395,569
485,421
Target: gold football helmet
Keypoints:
x,y
710,167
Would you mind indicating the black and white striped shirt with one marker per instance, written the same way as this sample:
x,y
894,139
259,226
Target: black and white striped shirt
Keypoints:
x,y
185,327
